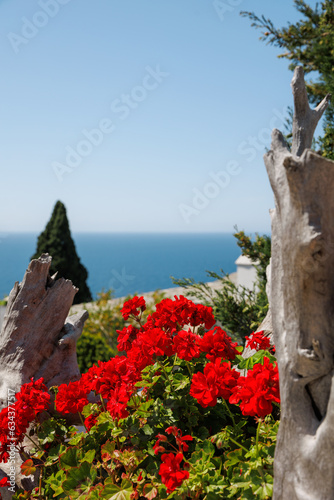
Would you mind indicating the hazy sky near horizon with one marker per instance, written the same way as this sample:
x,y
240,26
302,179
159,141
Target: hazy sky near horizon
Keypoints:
x,y
139,115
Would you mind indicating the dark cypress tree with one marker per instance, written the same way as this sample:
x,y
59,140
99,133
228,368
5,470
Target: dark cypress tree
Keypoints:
x,y
56,240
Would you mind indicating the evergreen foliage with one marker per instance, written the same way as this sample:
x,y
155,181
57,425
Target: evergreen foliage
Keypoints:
x,y
238,309
310,43
56,240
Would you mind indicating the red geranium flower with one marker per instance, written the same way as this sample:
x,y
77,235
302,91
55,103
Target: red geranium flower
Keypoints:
x,y
258,341
257,390
4,482
115,373
217,344
90,379
139,357
71,398
90,421
132,307
180,440
32,400
157,447
126,337
170,471
201,315
155,342
173,315
217,380
117,403
186,345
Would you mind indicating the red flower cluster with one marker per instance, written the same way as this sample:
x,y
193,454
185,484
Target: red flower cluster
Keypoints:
x,y
32,400
133,307
149,343
162,334
114,380
257,390
71,398
258,341
186,345
170,471
218,380
218,344
173,315
126,337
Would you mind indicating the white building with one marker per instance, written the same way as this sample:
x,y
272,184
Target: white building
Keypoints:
x,y
246,272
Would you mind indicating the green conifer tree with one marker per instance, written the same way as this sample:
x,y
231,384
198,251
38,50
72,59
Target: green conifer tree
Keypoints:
x,y
56,240
310,43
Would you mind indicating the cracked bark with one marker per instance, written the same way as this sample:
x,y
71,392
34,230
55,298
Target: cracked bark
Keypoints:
x,y
38,339
301,298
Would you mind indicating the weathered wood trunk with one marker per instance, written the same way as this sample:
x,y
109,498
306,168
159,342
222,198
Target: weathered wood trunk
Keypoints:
x,y
37,338
301,303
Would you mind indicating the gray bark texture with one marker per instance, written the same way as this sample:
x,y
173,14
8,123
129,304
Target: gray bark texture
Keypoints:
x,y
38,339
301,304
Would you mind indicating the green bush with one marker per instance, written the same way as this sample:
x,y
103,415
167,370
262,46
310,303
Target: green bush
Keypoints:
x,y
90,349
99,336
237,309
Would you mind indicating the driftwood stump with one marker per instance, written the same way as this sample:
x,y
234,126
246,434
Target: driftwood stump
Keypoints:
x,y
37,339
301,303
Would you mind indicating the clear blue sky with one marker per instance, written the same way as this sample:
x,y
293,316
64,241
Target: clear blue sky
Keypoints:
x,y
184,100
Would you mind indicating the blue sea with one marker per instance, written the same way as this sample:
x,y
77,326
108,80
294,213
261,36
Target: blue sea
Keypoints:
x,y
128,263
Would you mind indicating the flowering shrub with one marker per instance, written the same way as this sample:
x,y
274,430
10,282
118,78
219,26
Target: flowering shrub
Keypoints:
x,y
171,418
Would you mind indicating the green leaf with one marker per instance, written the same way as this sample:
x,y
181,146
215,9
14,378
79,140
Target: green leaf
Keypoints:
x,y
94,492
208,448
180,381
84,475
107,451
150,491
55,481
148,431
28,468
233,458
248,363
146,383
69,458
88,457
84,471
89,409
54,454
145,405
113,492
77,438
264,490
